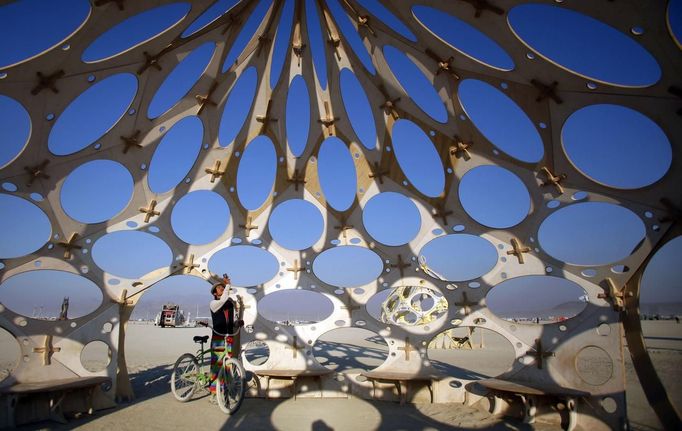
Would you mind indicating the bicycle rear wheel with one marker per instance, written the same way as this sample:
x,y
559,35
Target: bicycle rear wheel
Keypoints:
x,y
231,386
185,376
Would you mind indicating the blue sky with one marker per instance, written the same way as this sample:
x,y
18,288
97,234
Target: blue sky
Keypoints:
x,y
602,140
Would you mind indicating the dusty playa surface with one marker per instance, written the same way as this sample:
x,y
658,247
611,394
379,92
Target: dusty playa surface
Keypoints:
x,y
151,352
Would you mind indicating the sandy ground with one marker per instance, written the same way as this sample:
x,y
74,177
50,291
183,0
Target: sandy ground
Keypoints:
x,y
151,352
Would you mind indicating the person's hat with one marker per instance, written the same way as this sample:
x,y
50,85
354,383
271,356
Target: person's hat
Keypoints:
x,y
215,286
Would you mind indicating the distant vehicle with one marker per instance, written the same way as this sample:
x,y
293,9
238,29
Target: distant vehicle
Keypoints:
x,y
170,316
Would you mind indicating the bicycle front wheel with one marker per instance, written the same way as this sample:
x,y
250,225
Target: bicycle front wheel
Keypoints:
x,y
231,386
185,377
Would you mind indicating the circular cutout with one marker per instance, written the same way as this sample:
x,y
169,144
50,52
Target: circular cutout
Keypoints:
x,y
358,109
175,154
297,116
457,257
579,234
256,173
501,120
336,171
416,156
348,266
256,352
24,229
247,265
350,350
293,307
204,205
237,106
96,356
536,299
101,106
605,143
594,365
96,191
144,253
25,294
15,124
494,196
296,224
584,45
391,218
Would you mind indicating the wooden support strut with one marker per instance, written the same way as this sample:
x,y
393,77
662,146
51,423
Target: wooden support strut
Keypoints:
x,y
378,173
614,295
47,82
546,91
47,350
517,250
343,227
131,141
362,20
70,245
189,265
266,119
150,211
248,227
539,353
553,180
328,120
36,172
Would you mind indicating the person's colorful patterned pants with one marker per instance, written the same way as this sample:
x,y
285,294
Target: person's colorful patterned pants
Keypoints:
x,y
218,349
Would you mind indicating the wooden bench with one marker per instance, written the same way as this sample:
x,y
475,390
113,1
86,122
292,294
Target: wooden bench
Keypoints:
x,y
529,392
290,375
56,391
400,380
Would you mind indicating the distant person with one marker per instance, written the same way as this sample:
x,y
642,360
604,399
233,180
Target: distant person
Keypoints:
x,y
224,314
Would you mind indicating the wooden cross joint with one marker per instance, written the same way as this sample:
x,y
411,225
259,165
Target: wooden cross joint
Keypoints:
x,y
297,179
465,304
378,173
334,41
149,61
215,171
263,41
131,141
70,245
553,180
443,65
47,350
546,91
119,3
205,99
401,265
439,211
123,299
407,348
328,120
461,150
150,211
294,347
36,172
389,104
343,227
265,119
614,295
676,91
298,47
296,269
47,82
484,5
248,227
363,21
539,353
517,250
674,213
188,266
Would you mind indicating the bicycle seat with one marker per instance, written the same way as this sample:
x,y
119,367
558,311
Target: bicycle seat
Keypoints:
x,y
198,339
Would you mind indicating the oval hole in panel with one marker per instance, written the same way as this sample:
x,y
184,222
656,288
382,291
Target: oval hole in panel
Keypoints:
x,y
256,352
458,257
457,351
350,350
100,107
212,13
297,116
182,290
376,8
351,35
501,120
246,265
144,253
24,229
494,196
316,40
358,109
247,31
391,218
237,106
605,143
10,354
256,173
32,27
591,233
348,266
536,299
15,124
674,19
175,154
296,224
135,31
416,156
463,37
39,294
584,45
200,217
180,80
96,191
281,46
660,292
295,307
416,85
336,171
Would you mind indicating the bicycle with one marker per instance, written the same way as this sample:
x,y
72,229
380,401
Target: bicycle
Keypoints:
x,y
191,372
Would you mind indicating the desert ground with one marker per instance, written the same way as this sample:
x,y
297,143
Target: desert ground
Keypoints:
x,y
151,352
